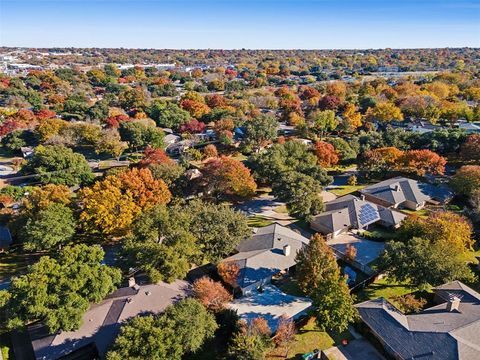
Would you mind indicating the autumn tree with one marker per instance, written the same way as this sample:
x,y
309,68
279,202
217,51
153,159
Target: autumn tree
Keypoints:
x,y
319,277
285,333
326,154
422,162
229,271
380,160
110,143
252,341
351,118
470,149
466,180
211,294
385,112
227,176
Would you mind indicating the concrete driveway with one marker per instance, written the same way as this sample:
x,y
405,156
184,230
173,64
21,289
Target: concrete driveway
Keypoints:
x,y
271,304
359,349
263,206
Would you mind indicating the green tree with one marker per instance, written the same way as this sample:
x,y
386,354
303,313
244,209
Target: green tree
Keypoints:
x,y
251,342
218,229
319,277
323,121
52,226
59,165
58,291
260,131
168,114
421,263
165,336
139,134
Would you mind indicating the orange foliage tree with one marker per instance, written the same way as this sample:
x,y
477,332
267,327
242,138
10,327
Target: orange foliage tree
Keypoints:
x,y
326,154
229,271
422,162
211,294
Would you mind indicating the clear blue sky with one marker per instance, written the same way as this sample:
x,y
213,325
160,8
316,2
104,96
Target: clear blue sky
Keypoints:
x,y
307,24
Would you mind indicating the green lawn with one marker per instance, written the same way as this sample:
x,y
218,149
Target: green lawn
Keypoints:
x,y
258,221
282,209
385,288
290,286
421,213
308,338
345,190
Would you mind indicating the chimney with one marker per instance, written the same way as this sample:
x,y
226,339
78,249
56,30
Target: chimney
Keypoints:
x,y
131,282
362,197
453,303
286,250
397,188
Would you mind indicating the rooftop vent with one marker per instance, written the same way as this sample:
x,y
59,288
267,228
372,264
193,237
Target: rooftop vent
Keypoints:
x,y
286,250
453,303
397,188
131,282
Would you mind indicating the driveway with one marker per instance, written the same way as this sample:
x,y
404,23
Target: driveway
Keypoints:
x,y
263,206
367,250
359,349
271,304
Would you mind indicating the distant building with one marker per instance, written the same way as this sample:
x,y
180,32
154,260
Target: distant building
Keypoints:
x,y
449,330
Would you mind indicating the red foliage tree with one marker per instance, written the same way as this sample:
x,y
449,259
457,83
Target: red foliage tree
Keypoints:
x,y
215,100
154,156
326,154
195,108
329,102
193,127
229,271
114,121
45,114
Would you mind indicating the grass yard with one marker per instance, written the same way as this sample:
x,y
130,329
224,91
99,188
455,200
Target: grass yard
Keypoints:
x,y
385,288
346,189
308,338
282,209
290,286
12,263
421,213
258,221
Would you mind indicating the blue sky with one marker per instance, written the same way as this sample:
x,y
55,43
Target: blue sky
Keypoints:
x,y
292,24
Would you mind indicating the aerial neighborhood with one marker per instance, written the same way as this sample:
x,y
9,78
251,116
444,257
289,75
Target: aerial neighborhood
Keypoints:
x,y
239,204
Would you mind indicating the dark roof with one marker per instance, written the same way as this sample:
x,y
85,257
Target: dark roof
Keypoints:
x,y
5,237
434,333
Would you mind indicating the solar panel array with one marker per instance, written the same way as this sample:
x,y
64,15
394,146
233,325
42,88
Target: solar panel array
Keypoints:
x,y
368,214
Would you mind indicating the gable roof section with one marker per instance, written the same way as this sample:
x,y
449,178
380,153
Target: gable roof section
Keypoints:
x,y
398,190
434,333
262,256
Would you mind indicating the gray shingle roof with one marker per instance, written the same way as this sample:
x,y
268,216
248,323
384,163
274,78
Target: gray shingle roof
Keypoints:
x,y
434,333
398,190
261,255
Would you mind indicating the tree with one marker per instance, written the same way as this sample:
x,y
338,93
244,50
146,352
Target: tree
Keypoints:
x,y
58,291
380,160
165,336
210,151
319,277
351,118
218,229
302,193
110,143
329,102
385,112
52,226
195,108
419,262
323,121
260,131
110,206
470,149
229,271
59,165
169,115
422,162
466,180
192,127
162,243
227,176
285,334
141,133
14,141
41,197
326,154
211,294
251,342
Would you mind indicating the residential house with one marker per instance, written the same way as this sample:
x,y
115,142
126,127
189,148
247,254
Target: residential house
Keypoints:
x,y
449,330
399,192
268,252
101,323
349,212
